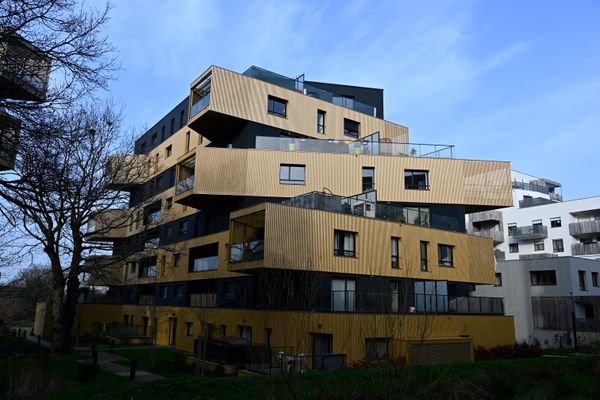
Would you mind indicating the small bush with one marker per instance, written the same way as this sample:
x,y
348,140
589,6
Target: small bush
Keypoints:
x,y
517,350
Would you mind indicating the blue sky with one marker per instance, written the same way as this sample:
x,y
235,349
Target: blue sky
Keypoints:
x,y
516,81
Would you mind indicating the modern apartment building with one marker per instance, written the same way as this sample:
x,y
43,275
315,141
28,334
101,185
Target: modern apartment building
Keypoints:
x,y
291,214
24,74
548,261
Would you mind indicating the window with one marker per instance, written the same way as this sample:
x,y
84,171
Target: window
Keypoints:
x,y
344,243
536,222
395,252
163,292
424,255
172,125
513,248
582,284
169,151
351,128
229,290
538,246
511,228
445,255
291,174
498,279
179,291
415,179
204,258
154,139
183,227
169,203
189,329
543,278
368,179
276,106
555,222
176,260
131,267
169,231
594,279
246,333
143,148
588,310
557,246
344,101
342,294
320,121
376,349
181,119
162,133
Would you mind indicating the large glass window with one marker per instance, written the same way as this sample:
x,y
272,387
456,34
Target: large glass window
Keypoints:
x,y
376,349
557,245
344,243
276,106
351,128
291,174
368,179
513,247
343,294
431,296
582,283
445,255
201,95
416,179
543,278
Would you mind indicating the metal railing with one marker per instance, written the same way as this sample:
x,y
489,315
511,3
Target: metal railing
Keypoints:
x,y
530,186
584,228
534,202
146,299
200,105
249,251
581,249
495,234
355,147
185,185
362,207
264,359
378,302
203,300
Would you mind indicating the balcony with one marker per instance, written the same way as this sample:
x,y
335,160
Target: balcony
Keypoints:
x,y
495,234
24,70
109,225
185,175
585,228
491,216
127,172
369,145
581,249
532,232
534,202
9,140
536,256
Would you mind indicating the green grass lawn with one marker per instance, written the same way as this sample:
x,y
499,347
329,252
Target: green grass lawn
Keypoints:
x,y
169,362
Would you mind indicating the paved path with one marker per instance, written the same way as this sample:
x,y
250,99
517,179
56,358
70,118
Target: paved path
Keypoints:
x,y
106,362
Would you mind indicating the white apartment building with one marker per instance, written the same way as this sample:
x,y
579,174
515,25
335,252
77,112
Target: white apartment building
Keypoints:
x,y
540,224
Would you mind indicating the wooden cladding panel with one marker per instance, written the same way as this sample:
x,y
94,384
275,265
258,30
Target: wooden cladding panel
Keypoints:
x,y
246,98
250,172
298,238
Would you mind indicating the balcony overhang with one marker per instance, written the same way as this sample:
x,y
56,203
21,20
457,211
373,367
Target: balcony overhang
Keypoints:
x,y
585,228
216,127
533,232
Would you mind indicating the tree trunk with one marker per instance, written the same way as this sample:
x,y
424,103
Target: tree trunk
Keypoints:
x,y
69,311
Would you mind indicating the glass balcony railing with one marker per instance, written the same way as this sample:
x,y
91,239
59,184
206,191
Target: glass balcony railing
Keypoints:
x,y
362,206
250,251
185,185
355,147
530,232
200,105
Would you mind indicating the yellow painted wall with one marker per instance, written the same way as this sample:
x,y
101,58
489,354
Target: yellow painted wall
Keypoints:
x,y
43,320
251,172
244,97
293,329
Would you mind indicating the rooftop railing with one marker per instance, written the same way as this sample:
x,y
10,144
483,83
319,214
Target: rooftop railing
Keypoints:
x,y
530,186
355,147
367,208
298,85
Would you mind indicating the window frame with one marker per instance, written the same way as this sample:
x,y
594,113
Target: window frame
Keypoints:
x,y
511,228
498,282
363,177
189,328
539,246
424,254
595,279
582,278
555,222
409,174
542,280
555,248
349,295
289,180
350,133
168,151
395,258
443,261
510,248
339,237
321,115
272,101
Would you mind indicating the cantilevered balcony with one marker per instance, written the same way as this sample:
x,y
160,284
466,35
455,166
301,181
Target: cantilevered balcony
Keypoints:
x,y
581,249
9,140
127,172
495,234
491,216
531,232
24,70
585,228
109,225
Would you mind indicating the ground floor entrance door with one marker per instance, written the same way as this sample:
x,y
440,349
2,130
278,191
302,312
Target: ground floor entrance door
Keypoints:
x,y
322,346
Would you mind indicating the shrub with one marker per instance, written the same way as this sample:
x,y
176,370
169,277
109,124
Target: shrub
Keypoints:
x,y
517,350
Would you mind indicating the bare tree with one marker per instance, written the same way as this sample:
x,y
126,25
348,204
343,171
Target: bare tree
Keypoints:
x,y
60,186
